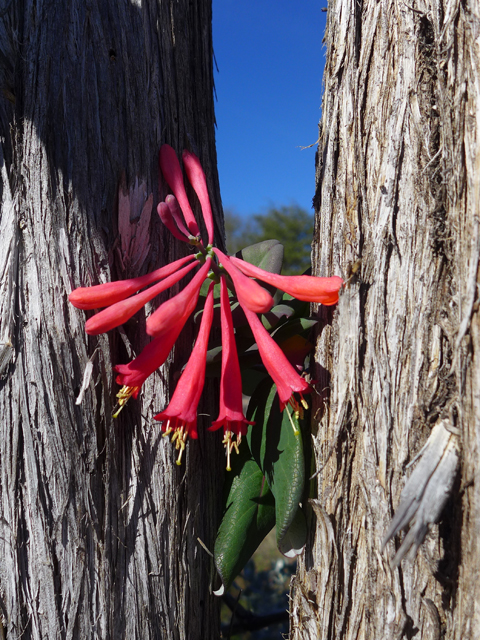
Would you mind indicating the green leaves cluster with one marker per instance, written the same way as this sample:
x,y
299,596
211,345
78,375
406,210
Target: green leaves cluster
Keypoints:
x,y
265,487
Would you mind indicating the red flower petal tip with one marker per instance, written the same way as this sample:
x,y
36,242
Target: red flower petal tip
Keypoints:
x,y
306,288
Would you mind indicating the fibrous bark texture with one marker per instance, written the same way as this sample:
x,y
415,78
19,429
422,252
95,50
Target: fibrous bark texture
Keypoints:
x,y
398,189
99,529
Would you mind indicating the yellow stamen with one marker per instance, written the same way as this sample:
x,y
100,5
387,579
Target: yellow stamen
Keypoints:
x,y
182,449
294,427
298,407
168,430
179,437
123,396
230,445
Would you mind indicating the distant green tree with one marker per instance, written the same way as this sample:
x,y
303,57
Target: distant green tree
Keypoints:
x,y
290,225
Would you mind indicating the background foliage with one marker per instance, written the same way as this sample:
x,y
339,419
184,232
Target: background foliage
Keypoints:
x,y
291,225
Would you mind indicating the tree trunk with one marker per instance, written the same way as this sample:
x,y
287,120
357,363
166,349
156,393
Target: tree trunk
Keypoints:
x,y
99,529
398,188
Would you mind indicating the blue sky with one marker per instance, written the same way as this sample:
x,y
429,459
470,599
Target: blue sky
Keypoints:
x,y
269,86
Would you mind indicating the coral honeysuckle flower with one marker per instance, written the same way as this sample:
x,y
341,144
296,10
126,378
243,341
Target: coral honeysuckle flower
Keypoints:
x,y
132,375
276,363
103,295
255,297
231,416
176,214
123,299
183,304
118,313
197,179
306,288
180,417
169,213
170,167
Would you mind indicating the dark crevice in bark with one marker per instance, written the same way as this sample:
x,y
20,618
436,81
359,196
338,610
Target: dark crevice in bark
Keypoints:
x,y
395,203
450,531
357,19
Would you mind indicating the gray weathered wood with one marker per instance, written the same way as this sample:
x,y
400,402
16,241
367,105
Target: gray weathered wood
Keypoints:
x,y
397,188
98,528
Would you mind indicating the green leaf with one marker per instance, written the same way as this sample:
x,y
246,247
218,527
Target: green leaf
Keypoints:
x,y
285,309
296,326
276,315
248,517
278,451
267,255
301,309
204,290
294,537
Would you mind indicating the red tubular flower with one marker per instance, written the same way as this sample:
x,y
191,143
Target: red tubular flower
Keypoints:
x,y
180,416
118,313
255,297
197,179
307,288
183,304
276,363
132,375
103,295
231,416
170,167
176,228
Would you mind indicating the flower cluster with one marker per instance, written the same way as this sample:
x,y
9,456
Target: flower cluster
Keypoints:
x,y
122,299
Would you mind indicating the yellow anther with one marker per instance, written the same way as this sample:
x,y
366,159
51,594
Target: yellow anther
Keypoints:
x,y
298,407
168,430
179,438
180,445
123,397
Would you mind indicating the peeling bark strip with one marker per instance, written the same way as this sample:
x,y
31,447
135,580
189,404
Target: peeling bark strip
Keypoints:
x,y
398,187
98,527
427,490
